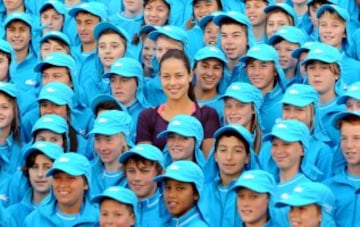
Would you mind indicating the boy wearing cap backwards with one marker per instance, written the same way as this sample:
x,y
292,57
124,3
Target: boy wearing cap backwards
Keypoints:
x,y
183,183
111,138
255,191
345,184
311,204
118,206
69,201
141,164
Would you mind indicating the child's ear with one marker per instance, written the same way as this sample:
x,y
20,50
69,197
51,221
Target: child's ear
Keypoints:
x,y
196,196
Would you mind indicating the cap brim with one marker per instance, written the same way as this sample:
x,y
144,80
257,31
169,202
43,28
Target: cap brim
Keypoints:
x,y
65,170
295,202
253,186
108,26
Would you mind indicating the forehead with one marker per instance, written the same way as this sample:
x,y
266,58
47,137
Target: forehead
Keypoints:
x,y
83,15
211,60
18,23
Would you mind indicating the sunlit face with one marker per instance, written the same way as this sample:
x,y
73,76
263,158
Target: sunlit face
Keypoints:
x,y
305,216
110,47
113,213
52,46
7,112
48,107
261,74
52,19
208,74
18,34
56,74
163,44
180,147
350,143
133,6
139,176
85,24
37,174
275,21
237,112
233,40
156,13
211,32
303,114
4,67
331,30
321,77
13,5
231,156
179,197
254,10
50,136
352,104
284,50
123,89
252,206
287,156
204,8
148,52
109,148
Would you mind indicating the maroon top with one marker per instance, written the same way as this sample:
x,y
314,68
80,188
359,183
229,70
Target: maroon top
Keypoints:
x,y
150,124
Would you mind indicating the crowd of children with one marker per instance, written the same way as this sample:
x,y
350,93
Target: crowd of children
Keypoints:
x,y
180,113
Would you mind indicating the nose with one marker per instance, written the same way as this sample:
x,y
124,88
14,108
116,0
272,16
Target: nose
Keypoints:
x,y
40,172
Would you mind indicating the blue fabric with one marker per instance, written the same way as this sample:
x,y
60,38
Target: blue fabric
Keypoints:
x,y
5,218
234,5
217,104
19,185
12,151
192,218
4,187
154,92
350,69
21,210
196,42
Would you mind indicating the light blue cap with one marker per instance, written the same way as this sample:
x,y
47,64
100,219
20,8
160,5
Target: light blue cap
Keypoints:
x,y
8,88
352,92
185,125
96,8
308,2
289,33
184,171
206,19
259,181
125,67
290,131
58,93
284,7
210,52
57,5
51,150
73,164
262,52
236,16
6,47
307,46
342,115
52,122
24,17
173,32
343,13
119,194
102,26
57,35
300,95
57,59
147,151
239,129
105,98
146,29
324,53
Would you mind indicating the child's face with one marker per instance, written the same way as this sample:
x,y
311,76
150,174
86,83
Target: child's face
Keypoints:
x,y
284,49
309,216
303,114
156,12
350,144
4,67
109,148
85,24
233,40
69,190
180,147
110,47
210,33
13,5
287,156
139,177
179,197
52,19
208,74
133,5
7,112
352,104
237,112
48,107
231,156
261,74
113,213
164,44
18,34
252,206
331,30
123,89
313,8
321,77
52,46
46,135
148,51
56,74
39,182
204,8
275,21
254,10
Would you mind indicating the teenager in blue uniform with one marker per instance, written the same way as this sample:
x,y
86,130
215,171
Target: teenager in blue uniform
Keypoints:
x,y
111,138
69,201
118,206
141,164
184,207
54,41
38,160
210,29
301,53
7,56
5,198
278,15
312,204
255,192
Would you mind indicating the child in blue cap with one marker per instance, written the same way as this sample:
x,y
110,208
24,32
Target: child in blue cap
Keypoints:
x,y
278,15
111,132
69,201
52,16
54,41
157,12
141,164
312,204
105,102
231,155
184,135
184,207
300,54
38,160
7,56
118,206
210,29
255,191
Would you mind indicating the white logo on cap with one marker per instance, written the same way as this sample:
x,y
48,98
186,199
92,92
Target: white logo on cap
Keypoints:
x,y
138,148
308,44
285,196
282,31
232,13
30,82
49,57
103,120
167,28
174,167
118,64
256,49
113,189
85,5
40,145
293,92
2,84
176,123
249,176
354,88
48,119
281,125
213,49
64,159
235,87
318,51
50,89
298,189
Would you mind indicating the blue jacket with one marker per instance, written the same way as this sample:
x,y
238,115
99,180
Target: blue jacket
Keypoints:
x,y
19,185
4,188
190,219
21,210
12,152
154,92
5,218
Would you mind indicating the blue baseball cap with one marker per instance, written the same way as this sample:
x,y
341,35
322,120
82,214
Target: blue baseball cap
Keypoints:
x,y
184,171
324,53
8,88
96,8
24,17
111,122
125,67
239,129
352,92
57,35
147,151
206,19
300,95
57,59
307,46
283,7
289,33
146,29
262,52
259,181
6,47
105,98
52,122
236,16
58,93
119,194
57,5
341,115
102,26
51,150
343,13
173,32
210,52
